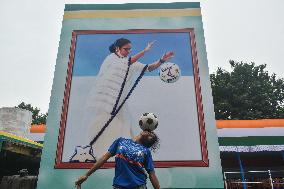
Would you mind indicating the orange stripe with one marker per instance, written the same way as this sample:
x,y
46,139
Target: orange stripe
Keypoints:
x,y
220,124
262,123
37,129
130,161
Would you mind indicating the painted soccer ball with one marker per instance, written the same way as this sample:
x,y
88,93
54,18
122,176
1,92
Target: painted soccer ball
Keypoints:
x,y
148,121
169,72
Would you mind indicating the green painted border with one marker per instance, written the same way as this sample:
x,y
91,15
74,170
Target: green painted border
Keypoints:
x,y
129,6
251,140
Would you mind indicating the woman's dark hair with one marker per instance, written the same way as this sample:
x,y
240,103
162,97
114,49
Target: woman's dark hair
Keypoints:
x,y
152,142
118,43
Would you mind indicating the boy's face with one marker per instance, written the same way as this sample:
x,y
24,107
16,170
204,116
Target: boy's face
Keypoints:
x,y
146,137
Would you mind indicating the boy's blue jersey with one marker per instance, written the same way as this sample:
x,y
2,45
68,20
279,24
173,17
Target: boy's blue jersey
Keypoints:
x,y
131,158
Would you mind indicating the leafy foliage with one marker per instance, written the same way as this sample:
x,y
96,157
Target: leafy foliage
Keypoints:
x,y
37,117
247,92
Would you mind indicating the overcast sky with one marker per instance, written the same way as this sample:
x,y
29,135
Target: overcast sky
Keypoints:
x,y
242,30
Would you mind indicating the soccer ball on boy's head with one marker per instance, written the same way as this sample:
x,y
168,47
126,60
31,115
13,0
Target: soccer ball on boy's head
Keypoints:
x,y
148,122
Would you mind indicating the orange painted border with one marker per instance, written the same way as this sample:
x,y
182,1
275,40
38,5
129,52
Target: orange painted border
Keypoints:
x,y
261,123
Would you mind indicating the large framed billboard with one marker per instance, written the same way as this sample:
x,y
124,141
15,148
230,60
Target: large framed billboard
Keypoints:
x,y
177,105
101,89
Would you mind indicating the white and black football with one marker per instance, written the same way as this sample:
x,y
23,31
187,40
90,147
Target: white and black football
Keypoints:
x,y
169,72
148,121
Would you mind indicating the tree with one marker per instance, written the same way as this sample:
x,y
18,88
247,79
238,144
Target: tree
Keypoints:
x,y
37,117
247,92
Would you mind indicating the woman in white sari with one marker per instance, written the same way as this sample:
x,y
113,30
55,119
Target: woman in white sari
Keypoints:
x,y
100,106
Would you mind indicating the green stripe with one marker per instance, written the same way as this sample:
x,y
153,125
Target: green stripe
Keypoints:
x,y
251,140
129,6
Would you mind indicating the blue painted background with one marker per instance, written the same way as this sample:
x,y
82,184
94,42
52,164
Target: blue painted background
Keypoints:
x,y
91,50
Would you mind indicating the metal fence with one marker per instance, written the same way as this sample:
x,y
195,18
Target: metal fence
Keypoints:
x,y
266,179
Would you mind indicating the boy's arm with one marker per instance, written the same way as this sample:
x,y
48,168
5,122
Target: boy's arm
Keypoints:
x,y
96,166
154,180
99,163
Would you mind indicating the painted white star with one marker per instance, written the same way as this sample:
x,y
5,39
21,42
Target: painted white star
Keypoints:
x,y
83,154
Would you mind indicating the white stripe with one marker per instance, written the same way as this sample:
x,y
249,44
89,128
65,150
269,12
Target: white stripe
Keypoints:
x,y
242,132
36,136
256,148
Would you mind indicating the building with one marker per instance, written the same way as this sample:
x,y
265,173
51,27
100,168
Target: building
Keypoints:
x,y
252,152
17,149
17,153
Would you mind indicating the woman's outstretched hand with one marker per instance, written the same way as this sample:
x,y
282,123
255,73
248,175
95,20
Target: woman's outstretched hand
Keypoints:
x,y
167,56
80,181
149,46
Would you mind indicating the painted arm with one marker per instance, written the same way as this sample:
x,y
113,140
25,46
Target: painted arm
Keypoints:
x,y
96,166
136,57
156,64
154,180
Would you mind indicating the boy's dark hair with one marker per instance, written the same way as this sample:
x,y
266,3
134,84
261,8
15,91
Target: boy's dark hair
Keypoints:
x,y
118,43
153,142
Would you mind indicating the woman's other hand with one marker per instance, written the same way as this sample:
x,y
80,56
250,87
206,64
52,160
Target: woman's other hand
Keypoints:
x,y
149,46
